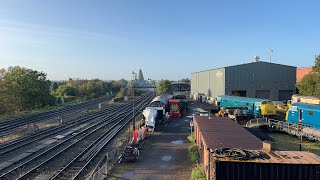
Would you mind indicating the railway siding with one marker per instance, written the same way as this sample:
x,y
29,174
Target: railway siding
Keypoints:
x,y
56,153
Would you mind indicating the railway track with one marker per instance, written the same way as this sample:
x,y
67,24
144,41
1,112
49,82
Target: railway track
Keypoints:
x,y
13,145
60,158
12,126
80,163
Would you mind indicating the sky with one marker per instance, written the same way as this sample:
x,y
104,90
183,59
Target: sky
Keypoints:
x,y
167,39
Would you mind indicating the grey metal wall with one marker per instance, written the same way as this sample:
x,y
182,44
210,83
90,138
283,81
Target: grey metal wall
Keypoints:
x,y
217,82
260,76
203,82
211,82
194,82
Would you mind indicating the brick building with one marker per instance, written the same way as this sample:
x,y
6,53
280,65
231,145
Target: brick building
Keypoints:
x,y
301,72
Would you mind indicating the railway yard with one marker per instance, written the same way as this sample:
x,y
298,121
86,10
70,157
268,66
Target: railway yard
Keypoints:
x,y
147,137
68,151
159,90
94,145
21,126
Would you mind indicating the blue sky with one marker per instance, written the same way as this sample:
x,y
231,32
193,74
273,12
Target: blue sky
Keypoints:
x,y
167,39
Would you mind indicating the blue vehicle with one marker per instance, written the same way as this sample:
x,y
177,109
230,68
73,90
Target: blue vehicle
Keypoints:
x,y
305,114
255,106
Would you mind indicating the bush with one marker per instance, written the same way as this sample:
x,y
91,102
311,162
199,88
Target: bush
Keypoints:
x,y
198,174
193,153
117,99
191,138
121,93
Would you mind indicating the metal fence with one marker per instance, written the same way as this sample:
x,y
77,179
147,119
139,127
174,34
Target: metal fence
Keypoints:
x,y
257,122
101,173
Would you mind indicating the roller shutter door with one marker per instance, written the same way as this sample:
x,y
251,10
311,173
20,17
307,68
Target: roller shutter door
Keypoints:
x,y
263,94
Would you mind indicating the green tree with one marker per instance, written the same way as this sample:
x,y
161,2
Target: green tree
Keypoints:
x,y
8,101
316,67
123,83
310,84
30,87
55,86
185,80
66,90
115,86
317,87
92,88
164,86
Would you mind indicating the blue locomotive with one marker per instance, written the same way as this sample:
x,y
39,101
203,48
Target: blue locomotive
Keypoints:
x,y
304,118
255,106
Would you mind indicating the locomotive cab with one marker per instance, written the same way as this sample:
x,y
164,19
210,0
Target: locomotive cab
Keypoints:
x,y
267,108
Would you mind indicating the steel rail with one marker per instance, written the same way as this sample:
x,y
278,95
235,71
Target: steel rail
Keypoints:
x,y
97,145
12,125
119,117
88,128
51,131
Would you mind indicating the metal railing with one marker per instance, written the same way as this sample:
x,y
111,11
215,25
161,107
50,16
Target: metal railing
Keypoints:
x,y
101,173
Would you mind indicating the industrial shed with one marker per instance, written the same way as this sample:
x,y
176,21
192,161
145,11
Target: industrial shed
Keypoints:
x,y
257,80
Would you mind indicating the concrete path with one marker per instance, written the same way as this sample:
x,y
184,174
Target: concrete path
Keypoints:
x,y
164,155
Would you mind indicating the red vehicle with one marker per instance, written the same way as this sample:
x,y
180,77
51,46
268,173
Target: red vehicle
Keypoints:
x,y
178,107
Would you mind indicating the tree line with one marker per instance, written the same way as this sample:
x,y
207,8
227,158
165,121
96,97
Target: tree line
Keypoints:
x,y
310,84
28,89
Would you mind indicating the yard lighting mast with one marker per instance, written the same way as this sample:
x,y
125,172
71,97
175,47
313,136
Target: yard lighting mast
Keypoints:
x,y
271,53
133,114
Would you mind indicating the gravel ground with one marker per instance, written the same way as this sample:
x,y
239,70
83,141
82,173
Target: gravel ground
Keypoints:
x,y
164,155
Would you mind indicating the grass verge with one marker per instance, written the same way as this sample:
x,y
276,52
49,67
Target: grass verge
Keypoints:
x,y
198,173
292,143
193,149
191,138
193,153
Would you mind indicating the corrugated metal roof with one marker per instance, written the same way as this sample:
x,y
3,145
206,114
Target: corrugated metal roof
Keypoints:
x,y
220,132
159,99
242,65
180,83
166,95
283,157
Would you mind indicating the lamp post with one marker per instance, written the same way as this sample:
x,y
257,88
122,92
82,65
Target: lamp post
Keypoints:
x,y
133,114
